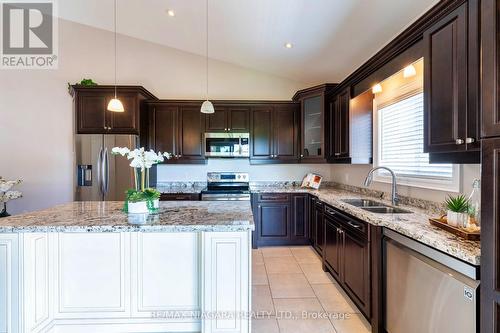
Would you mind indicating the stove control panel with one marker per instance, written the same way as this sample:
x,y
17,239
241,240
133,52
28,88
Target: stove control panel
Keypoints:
x,y
227,177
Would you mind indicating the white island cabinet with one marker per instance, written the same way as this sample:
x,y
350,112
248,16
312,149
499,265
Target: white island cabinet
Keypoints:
x,y
188,270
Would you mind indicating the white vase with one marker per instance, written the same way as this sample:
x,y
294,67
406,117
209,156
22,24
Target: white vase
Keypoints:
x,y
156,203
457,219
140,207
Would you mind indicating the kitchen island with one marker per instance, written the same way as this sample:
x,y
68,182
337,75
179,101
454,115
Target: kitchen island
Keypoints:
x,y
83,267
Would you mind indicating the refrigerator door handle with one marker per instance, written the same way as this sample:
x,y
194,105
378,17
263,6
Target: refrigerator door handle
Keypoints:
x,y
99,171
106,171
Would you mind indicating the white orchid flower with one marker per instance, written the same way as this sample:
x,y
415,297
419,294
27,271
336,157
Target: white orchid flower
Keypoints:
x,y
6,185
120,150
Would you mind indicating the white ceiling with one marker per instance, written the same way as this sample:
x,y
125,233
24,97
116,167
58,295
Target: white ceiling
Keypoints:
x,y
331,37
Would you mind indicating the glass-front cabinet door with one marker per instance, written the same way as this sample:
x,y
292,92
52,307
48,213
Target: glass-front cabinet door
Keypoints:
x,y
312,141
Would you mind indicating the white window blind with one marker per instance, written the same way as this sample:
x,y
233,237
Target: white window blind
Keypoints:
x,y
401,141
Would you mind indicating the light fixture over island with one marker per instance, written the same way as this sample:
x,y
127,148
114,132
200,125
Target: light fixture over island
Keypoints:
x,y
82,266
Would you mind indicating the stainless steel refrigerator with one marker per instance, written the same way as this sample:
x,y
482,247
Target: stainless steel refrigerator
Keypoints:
x,y
101,176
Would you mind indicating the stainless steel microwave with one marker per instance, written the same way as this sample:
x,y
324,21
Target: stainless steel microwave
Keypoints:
x,y
227,144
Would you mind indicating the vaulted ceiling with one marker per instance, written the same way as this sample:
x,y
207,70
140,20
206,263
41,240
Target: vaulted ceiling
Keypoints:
x,y
330,38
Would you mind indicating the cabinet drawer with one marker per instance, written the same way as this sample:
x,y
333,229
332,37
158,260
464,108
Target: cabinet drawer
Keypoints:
x,y
180,197
347,222
273,197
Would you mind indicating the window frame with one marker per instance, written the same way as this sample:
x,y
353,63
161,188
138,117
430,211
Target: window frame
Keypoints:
x,y
452,185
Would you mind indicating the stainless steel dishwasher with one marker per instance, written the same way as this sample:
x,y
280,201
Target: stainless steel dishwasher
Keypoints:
x,y
427,290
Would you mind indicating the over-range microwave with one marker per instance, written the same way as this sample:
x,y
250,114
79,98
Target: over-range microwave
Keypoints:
x,y
227,144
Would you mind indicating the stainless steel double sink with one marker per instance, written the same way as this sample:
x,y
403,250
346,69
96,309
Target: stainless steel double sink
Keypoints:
x,y
375,206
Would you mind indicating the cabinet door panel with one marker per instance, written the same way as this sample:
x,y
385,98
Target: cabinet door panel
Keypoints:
x,y
285,133
191,128
313,127
274,226
164,134
91,113
355,268
239,119
333,247
341,127
126,122
300,218
261,133
93,275
217,122
320,228
445,84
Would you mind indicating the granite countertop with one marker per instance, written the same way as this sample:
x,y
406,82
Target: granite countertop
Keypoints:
x,y
415,225
96,216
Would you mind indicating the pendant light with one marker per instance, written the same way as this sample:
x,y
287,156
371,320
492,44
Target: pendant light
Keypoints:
x,y
207,106
115,105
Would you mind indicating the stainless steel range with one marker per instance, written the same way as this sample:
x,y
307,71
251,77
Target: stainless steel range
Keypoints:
x,y
223,186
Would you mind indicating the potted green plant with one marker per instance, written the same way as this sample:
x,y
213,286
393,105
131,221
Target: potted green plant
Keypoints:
x,y
458,207
141,199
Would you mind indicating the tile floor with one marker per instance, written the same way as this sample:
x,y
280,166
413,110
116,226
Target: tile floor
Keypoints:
x,y
292,294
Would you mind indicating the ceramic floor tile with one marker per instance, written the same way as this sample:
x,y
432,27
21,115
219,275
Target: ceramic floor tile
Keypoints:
x,y
333,300
265,326
262,302
297,306
259,275
276,252
257,257
306,326
305,255
315,274
290,286
283,265
353,323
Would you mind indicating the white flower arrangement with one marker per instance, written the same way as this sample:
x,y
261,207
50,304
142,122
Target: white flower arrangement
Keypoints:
x,y
6,194
141,160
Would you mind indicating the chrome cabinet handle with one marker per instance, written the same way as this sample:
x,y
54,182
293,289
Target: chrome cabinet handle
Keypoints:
x,y
106,170
99,171
459,141
470,140
337,154
357,226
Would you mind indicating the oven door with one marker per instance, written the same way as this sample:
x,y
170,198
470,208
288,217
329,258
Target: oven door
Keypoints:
x,y
227,144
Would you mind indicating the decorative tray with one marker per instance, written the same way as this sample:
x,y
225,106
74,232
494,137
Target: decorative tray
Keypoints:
x,y
460,232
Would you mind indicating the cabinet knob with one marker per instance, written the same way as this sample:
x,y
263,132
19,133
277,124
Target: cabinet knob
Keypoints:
x,y
301,156
470,140
337,154
459,141
228,129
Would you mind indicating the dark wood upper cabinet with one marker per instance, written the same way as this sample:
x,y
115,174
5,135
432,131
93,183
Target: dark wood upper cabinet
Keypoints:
x,y
92,116
229,118
191,129
314,107
261,132
274,133
451,81
176,128
238,119
217,122
285,123
350,124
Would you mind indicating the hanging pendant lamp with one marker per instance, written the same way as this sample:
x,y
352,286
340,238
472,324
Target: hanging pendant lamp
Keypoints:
x,y
207,106
115,105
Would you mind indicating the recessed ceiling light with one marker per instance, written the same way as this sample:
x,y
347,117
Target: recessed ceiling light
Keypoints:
x,y
288,45
170,12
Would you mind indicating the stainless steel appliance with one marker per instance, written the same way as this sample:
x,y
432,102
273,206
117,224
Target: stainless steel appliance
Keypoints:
x,y
100,175
222,186
427,290
227,144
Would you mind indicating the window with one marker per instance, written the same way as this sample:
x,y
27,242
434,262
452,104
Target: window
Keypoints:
x,y
399,137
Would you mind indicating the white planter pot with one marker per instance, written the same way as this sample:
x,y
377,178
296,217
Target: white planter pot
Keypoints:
x,y
156,203
140,207
457,219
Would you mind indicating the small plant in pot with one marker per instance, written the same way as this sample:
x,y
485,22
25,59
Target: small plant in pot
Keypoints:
x,y
141,199
457,214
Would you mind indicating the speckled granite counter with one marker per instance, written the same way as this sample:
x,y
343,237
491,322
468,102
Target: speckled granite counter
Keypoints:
x,y
415,225
174,216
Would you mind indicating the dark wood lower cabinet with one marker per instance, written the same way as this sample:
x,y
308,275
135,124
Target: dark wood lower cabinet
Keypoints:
x,y
280,219
346,255
317,225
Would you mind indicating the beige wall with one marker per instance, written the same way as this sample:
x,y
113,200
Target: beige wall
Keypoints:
x,y
36,117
